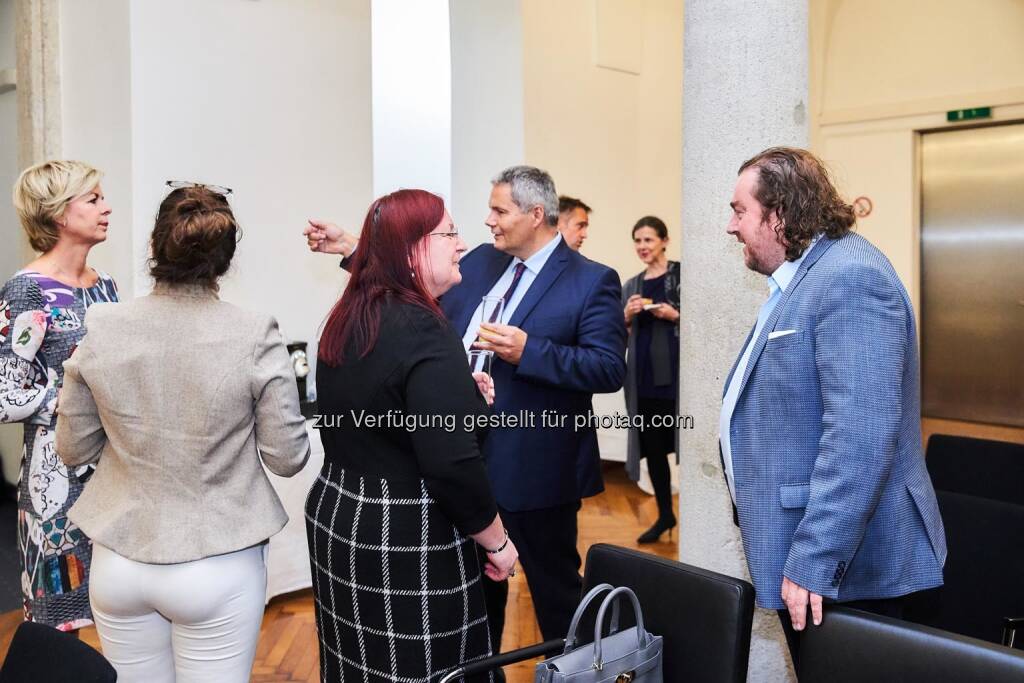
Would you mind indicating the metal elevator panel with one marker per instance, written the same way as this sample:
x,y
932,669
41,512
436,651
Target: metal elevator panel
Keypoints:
x,y
972,274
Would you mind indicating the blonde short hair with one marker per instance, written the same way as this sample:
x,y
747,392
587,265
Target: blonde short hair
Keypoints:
x,y
43,192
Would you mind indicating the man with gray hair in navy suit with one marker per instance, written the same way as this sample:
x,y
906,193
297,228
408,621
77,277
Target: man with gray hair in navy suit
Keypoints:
x,y
820,427
559,339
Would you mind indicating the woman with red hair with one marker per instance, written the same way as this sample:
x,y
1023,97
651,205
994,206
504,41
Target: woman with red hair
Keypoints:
x,y
403,489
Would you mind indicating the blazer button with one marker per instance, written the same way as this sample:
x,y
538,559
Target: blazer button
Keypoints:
x,y
835,583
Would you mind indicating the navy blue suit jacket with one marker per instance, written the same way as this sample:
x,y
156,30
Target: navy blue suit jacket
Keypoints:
x,y
576,343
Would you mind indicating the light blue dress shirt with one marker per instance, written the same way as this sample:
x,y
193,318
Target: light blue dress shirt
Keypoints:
x,y
533,266
777,284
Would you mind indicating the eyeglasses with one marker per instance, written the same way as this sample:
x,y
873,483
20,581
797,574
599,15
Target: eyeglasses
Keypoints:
x,y
216,189
453,235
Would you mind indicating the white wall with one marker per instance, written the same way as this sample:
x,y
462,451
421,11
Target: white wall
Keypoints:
x,y
487,105
217,92
954,55
412,96
610,136
96,118
883,72
897,57
853,155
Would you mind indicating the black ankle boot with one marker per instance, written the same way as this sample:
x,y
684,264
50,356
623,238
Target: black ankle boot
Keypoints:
x,y
653,534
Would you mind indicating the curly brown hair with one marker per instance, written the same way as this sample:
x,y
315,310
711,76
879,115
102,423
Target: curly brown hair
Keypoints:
x,y
194,238
795,184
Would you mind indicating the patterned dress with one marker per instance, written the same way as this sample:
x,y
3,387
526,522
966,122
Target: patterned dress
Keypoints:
x,y
41,323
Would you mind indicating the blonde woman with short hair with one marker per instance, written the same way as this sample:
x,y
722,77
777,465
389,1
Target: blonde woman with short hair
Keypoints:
x,y
61,206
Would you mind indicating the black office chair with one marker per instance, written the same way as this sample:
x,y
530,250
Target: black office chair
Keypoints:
x,y
42,654
984,572
981,500
852,646
704,617
977,467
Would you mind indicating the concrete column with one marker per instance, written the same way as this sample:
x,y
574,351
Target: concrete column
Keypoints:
x,y
38,138
37,41
744,89
37,24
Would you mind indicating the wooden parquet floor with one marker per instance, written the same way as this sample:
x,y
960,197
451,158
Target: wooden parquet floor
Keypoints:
x,y
287,649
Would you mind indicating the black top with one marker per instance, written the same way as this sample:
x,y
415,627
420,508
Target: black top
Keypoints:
x,y
648,386
416,384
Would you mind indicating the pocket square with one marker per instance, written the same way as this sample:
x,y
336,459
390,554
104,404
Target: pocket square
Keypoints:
x,y
779,333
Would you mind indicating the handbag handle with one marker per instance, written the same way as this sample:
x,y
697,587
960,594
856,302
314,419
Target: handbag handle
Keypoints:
x,y
611,598
574,625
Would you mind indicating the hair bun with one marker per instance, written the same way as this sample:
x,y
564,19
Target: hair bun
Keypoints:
x,y
194,237
190,205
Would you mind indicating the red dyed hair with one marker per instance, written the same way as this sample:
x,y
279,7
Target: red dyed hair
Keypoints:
x,y
380,268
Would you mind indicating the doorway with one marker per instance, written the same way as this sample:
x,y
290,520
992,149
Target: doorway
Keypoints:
x,y
972,274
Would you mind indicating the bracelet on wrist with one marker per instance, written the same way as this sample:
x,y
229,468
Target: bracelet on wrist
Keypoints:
x,y
499,548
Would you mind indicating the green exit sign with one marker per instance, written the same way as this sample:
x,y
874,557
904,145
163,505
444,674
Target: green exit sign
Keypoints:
x,y
968,114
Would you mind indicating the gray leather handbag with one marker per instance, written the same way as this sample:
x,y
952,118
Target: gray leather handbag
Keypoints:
x,y
633,655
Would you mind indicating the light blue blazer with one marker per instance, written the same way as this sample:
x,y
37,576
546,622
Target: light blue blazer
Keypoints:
x,y
831,485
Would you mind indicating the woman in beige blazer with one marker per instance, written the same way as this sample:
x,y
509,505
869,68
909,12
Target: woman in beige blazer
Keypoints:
x,y
177,397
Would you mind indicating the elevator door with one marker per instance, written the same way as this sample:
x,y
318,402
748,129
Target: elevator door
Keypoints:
x,y
972,274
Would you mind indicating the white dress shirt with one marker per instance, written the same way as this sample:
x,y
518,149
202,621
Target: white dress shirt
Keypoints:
x,y
777,284
533,267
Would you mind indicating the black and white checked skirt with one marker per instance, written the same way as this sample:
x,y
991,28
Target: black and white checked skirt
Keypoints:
x,y
397,588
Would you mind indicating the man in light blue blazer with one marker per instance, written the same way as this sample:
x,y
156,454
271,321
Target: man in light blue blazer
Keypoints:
x,y
820,426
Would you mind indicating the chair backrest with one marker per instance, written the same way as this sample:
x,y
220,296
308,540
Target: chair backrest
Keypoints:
x,y
704,617
976,467
856,646
978,486
984,572
43,654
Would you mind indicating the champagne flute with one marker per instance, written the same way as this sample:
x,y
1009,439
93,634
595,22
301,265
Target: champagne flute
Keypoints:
x,y
491,308
480,363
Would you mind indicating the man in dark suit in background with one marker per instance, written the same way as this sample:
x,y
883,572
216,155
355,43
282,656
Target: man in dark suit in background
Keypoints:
x,y
560,339
573,221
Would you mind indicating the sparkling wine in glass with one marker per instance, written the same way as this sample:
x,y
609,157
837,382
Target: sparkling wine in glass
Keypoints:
x,y
491,308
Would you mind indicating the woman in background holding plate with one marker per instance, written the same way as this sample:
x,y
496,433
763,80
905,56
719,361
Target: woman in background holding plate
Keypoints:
x,y
651,308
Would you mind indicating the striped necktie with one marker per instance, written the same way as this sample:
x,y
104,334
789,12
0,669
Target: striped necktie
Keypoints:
x,y
520,267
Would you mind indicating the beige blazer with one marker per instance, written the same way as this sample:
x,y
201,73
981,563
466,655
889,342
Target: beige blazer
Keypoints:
x,y
176,397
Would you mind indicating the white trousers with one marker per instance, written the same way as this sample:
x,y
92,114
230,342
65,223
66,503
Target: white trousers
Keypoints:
x,y
179,623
